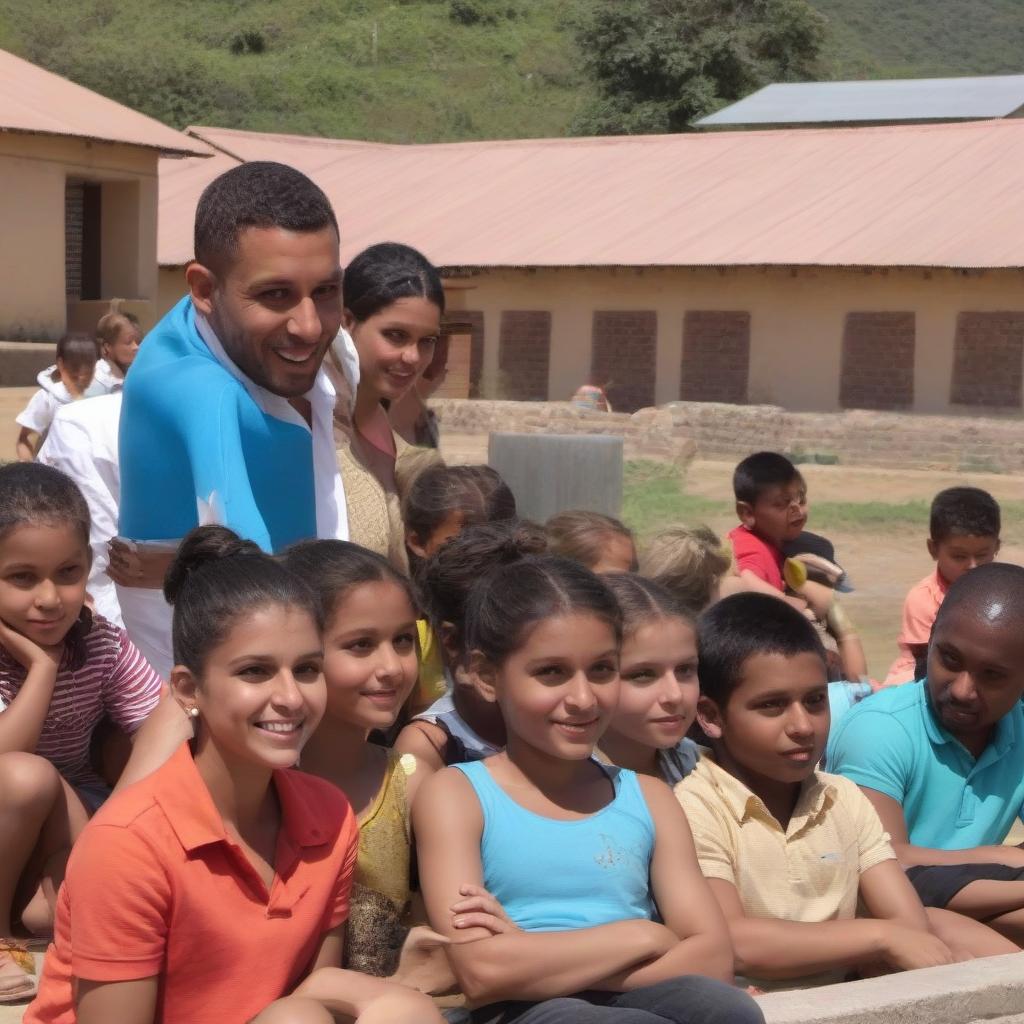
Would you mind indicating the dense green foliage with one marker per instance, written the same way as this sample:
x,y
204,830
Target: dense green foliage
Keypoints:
x,y
658,65
418,70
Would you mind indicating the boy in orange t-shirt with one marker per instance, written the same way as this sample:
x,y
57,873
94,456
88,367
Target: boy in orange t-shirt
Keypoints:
x,y
963,534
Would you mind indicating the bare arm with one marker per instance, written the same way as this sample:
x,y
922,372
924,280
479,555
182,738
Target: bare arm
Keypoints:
x,y
23,447
752,582
773,949
21,723
684,898
895,824
127,1002
426,741
516,964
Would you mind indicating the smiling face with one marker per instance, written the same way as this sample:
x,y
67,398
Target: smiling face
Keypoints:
x,y
44,570
658,696
975,672
276,307
558,691
779,514
262,689
395,345
774,726
371,660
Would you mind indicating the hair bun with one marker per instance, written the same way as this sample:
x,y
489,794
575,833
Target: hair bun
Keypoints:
x,y
203,545
525,538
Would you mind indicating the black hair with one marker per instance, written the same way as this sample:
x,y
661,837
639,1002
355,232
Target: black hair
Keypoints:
x,y
964,512
757,472
444,580
478,492
32,494
214,580
385,273
507,603
76,349
642,600
741,626
333,567
994,592
580,535
259,194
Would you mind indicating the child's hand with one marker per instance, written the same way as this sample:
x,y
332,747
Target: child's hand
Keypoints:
x,y
27,652
480,909
909,949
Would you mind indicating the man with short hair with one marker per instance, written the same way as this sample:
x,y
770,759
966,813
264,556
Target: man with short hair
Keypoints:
x,y
228,416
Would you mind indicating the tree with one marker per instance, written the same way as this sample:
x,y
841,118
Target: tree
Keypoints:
x,y
657,65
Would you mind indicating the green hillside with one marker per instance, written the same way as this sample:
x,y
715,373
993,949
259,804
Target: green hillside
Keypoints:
x,y
418,70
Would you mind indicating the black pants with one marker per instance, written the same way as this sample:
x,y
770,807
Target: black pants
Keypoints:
x,y
688,1000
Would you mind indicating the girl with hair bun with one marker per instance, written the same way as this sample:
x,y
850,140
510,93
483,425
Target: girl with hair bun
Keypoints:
x,y
217,888
594,865
394,301
62,671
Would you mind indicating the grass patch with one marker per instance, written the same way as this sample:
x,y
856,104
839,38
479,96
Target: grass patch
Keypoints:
x,y
654,496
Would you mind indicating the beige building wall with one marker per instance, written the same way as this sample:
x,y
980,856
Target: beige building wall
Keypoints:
x,y
33,173
796,326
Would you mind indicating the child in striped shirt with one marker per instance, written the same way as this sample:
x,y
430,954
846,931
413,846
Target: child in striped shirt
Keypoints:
x,y
62,670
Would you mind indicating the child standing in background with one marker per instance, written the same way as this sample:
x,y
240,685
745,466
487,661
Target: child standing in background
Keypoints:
x,y
119,337
963,533
68,381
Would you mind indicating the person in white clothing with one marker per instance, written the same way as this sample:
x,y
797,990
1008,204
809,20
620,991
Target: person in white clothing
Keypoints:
x,y
82,443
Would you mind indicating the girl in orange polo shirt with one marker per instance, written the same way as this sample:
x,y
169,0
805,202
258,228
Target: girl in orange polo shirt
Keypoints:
x,y
217,888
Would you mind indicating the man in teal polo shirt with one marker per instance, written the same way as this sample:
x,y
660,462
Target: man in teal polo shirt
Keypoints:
x,y
942,760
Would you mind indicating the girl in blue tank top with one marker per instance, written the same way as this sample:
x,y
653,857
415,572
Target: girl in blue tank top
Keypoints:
x,y
610,917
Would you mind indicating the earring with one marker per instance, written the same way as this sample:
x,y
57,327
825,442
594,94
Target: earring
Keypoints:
x,y
193,711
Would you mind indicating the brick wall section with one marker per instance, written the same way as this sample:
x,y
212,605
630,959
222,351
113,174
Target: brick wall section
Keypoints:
x,y
988,358
878,361
73,239
625,352
476,348
524,355
716,356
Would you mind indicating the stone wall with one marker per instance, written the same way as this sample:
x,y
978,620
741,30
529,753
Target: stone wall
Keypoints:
x,y
682,430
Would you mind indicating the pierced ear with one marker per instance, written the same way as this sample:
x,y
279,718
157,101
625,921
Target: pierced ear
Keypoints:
x,y
184,687
415,545
482,676
745,513
709,718
201,284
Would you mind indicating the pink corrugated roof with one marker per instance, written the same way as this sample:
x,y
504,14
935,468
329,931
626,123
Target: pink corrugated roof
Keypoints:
x,y
939,195
40,102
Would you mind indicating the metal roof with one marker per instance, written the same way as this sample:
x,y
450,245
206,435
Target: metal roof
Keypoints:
x,y
39,102
920,99
946,195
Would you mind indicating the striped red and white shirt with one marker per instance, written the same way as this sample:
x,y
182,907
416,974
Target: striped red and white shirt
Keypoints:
x,y
115,681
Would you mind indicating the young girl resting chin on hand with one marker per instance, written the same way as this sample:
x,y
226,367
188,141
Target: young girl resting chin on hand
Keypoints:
x,y
62,670
582,856
217,888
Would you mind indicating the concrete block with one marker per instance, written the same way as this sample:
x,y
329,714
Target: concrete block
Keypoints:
x,y
21,361
957,994
551,473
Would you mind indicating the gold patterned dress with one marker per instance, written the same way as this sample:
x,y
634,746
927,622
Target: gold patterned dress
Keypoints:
x,y
376,926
